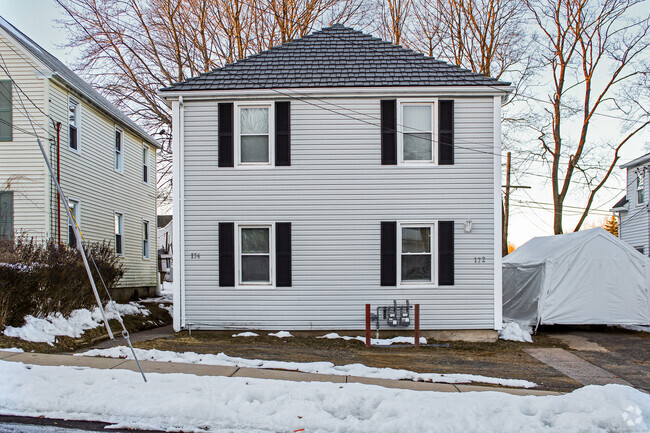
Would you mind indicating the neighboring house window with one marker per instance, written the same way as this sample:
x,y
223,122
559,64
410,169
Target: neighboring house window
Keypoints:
x,y
640,187
75,211
119,234
145,164
5,111
145,239
119,150
255,258
417,253
6,215
254,123
74,120
639,249
416,128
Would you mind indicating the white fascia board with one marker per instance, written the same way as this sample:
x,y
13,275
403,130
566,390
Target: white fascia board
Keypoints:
x,y
438,91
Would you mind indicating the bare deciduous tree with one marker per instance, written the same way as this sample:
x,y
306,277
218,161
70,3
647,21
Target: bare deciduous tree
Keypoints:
x,y
394,17
132,48
596,55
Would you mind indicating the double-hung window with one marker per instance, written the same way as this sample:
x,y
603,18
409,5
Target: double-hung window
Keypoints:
x,y
119,150
119,234
145,164
415,123
254,131
145,239
74,120
640,186
6,120
255,261
417,254
75,211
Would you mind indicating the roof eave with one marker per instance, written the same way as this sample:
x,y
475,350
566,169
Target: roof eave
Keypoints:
x,y
639,161
297,92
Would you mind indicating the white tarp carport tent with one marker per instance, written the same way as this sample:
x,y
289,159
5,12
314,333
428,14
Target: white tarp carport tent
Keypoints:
x,y
586,277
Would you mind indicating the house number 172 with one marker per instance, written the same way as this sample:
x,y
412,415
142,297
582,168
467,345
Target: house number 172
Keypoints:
x,y
479,259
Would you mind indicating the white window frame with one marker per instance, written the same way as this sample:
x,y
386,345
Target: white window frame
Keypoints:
x,y
77,122
76,214
148,240
433,226
146,163
401,129
640,182
237,133
238,255
122,254
119,157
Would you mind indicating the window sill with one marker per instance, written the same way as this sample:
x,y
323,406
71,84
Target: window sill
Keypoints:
x,y
254,166
255,286
77,151
417,286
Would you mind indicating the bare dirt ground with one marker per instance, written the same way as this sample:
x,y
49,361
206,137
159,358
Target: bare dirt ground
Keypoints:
x,y
503,359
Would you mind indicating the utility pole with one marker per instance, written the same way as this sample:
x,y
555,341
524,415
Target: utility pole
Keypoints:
x,y
505,210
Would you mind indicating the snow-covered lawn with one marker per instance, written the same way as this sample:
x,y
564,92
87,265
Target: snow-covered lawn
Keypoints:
x,y
186,402
45,330
376,341
358,370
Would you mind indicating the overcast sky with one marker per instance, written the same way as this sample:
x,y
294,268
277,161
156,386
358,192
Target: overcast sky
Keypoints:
x,y
37,19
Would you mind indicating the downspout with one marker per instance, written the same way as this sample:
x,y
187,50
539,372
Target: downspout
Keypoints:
x,y
57,126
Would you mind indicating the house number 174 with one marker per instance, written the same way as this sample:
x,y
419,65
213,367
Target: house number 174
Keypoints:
x,y
479,259
195,255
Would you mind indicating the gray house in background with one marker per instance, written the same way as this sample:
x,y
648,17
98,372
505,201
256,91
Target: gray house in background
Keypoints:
x,y
331,172
632,209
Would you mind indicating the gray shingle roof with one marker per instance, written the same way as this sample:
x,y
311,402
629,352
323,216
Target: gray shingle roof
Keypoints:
x,y
74,81
336,56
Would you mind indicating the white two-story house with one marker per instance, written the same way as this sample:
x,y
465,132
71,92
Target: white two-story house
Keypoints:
x,y
334,171
632,209
106,164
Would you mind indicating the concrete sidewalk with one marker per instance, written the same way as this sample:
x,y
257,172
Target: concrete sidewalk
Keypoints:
x,y
260,373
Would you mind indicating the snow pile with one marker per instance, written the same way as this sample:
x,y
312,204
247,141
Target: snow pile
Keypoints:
x,y
281,334
324,367
376,341
233,404
45,330
12,349
514,331
246,334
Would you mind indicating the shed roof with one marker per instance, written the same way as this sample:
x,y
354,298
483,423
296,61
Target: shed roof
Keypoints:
x,y
74,81
336,56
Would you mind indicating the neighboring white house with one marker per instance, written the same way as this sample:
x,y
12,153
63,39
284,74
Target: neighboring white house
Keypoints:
x,y
334,171
632,209
105,162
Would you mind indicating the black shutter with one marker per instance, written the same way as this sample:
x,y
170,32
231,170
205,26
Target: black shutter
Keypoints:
x,y
389,132
388,253
446,133
226,254
445,253
283,254
282,133
226,154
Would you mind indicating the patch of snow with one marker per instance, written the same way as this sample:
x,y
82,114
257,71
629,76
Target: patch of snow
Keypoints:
x,y
167,290
12,349
45,330
375,341
281,334
323,367
238,404
514,331
246,334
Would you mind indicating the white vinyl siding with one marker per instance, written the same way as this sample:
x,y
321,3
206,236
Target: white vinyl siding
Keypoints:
x,y
21,164
336,193
634,227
